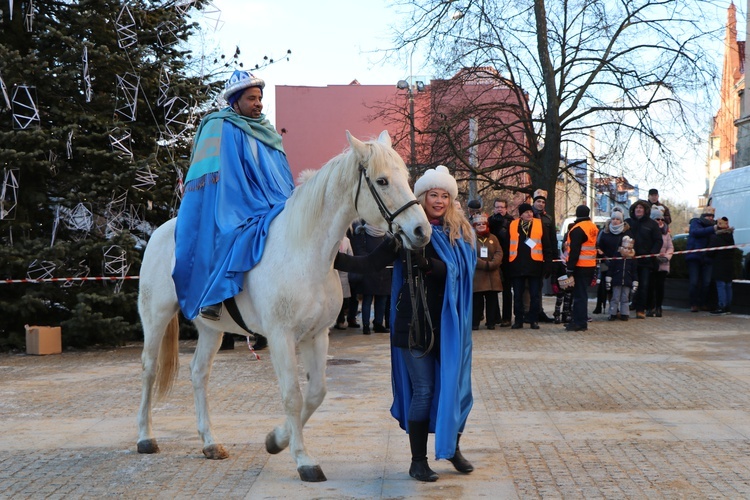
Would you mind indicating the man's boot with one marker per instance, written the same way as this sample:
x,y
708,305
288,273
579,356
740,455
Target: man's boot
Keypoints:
x,y
212,312
420,470
458,460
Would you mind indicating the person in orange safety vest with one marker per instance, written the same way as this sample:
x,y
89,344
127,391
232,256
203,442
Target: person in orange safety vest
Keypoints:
x,y
581,265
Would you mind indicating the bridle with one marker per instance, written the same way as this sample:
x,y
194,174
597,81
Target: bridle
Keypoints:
x,y
387,215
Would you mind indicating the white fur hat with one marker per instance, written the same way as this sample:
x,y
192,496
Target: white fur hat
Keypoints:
x,y
439,177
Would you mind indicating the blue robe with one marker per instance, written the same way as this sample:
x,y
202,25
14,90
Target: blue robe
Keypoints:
x,y
229,202
453,399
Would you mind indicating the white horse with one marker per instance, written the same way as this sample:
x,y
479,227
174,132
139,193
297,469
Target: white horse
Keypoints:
x,y
292,308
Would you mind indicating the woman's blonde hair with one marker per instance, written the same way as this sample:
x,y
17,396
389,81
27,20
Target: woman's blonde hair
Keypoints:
x,y
454,221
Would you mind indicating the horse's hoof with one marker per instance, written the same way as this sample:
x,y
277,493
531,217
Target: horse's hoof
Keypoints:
x,y
148,446
311,473
215,452
271,446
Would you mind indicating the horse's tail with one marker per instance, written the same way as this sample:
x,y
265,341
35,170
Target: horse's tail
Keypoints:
x,y
169,362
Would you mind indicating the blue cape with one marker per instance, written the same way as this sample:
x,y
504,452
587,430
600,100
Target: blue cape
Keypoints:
x,y
453,399
229,202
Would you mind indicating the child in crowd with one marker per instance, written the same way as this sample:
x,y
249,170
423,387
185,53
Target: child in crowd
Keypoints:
x,y
564,297
615,243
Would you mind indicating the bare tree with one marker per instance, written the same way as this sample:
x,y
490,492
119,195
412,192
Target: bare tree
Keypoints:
x,y
637,72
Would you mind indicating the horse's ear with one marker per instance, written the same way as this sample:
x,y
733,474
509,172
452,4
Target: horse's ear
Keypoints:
x,y
385,138
358,146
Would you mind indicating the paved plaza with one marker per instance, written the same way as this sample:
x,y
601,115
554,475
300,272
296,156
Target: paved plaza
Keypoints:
x,y
655,408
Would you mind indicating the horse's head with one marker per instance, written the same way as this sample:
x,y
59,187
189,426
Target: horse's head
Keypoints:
x,y
383,197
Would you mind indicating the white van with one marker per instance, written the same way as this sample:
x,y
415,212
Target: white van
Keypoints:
x,y
730,197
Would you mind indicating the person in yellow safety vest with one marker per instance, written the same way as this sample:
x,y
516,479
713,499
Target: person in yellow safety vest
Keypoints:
x,y
527,256
581,265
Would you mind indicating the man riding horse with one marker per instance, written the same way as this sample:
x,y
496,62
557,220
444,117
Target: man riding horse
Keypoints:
x,y
239,180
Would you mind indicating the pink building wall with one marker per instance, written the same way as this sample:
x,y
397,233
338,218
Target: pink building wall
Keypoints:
x,y
313,120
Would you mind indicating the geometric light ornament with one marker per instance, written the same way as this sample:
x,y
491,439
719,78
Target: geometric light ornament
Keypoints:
x,y
127,92
87,91
115,260
9,194
80,218
166,34
213,14
40,270
144,179
29,20
82,271
164,82
23,103
181,6
69,145
4,90
177,117
125,24
120,141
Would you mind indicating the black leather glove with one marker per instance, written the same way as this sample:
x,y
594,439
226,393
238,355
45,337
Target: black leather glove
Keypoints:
x,y
422,262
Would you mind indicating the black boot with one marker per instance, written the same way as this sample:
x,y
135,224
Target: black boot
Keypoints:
x,y
420,470
458,460
212,312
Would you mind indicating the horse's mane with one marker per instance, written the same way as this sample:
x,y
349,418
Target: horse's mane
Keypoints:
x,y
336,178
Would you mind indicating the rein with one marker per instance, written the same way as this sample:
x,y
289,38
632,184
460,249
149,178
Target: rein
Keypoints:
x,y
387,215
416,286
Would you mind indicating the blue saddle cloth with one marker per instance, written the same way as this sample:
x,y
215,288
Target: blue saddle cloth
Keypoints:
x,y
230,200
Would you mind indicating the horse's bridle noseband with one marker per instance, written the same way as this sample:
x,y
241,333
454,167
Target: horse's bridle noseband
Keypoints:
x,y
387,215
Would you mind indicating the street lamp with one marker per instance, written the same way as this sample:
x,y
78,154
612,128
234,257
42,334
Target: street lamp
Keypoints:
x,y
404,85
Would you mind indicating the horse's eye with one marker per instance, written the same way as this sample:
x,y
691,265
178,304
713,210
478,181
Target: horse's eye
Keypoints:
x,y
382,181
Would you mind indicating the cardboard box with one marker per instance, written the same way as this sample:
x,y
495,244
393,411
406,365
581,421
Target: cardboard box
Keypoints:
x,y
43,340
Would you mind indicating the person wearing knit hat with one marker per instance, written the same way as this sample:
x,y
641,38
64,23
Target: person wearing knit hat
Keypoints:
x,y
581,264
700,264
613,244
529,255
647,241
487,281
656,213
539,202
441,278
228,198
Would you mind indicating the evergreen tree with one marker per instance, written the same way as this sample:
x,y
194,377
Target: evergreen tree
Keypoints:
x,y
96,148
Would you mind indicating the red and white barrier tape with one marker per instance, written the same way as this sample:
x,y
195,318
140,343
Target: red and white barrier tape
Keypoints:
x,y
697,250
65,280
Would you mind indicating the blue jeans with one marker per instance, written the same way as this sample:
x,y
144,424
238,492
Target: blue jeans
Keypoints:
x,y
422,376
700,281
535,297
380,302
724,293
583,277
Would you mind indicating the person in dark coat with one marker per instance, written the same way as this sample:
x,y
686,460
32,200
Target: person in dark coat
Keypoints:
x,y
376,285
527,260
723,265
620,272
648,241
699,264
499,223
539,204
